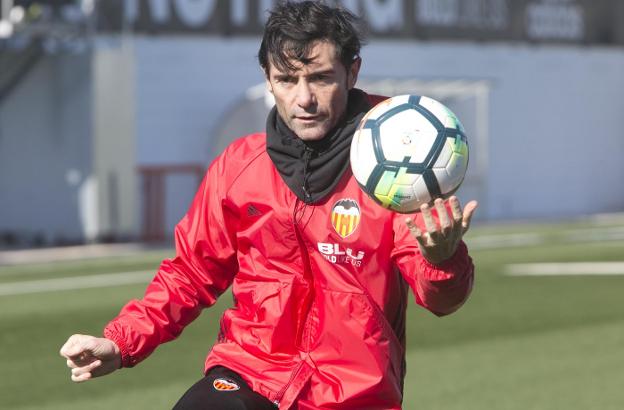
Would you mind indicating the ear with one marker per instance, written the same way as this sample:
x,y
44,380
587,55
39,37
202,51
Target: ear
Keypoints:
x,y
269,86
352,74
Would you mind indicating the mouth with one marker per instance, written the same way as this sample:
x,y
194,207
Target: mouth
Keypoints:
x,y
307,118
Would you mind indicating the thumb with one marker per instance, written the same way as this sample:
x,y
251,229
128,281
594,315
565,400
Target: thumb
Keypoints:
x,y
76,345
469,210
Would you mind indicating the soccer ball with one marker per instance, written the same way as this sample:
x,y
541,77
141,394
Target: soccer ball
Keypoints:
x,y
409,150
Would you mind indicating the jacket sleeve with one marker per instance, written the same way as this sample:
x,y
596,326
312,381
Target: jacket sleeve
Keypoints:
x,y
203,268
443,288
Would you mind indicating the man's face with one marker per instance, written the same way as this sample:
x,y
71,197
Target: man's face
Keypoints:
x,y
313,98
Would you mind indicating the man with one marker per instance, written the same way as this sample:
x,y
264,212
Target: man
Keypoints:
x,y
319,315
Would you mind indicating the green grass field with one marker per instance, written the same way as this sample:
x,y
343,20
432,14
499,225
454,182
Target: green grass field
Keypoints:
x,y
521,342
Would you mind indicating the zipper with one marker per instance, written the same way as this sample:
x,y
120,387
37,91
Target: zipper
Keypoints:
x,y
298,214
382,322
304,332
294,374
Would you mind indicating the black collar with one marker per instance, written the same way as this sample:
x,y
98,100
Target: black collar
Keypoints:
x,y
313,169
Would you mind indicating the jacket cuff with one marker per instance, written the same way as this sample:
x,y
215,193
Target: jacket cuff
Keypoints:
x,y
126,359
459,263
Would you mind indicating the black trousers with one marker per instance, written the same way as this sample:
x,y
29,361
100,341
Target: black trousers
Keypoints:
x,y
222,389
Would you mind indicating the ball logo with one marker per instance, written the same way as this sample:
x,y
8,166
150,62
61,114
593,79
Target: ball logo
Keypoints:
x,y
345,217
225,385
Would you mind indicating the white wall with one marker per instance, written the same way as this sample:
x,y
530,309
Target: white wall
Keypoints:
x,y
45,150
184,85
555,137
67,141
114,149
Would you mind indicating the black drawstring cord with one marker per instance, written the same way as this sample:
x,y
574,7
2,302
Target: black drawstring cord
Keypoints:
x,y
307,154
300,207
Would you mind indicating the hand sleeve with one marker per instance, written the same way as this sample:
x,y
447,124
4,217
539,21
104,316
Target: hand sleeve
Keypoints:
x,y
442,288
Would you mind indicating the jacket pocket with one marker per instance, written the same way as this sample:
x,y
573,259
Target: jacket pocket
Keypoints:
x,y
360,338
394,351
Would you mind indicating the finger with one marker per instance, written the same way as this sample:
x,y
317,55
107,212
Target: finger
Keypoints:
x,y
82,378
75,346
469,210
415,231
69,348
71,364
456,210
79,348
83,360
443,217
433,235
80,371
458,216
430,222
412,227
80,357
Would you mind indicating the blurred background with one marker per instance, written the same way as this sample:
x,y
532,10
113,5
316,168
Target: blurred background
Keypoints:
x,y
111,110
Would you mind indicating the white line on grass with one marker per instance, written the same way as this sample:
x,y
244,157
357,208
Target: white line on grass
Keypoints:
x,y
565,268
69,253
505,240
76,282
614,233
511,240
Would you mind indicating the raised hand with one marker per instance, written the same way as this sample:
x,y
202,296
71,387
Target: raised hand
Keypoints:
x,y
443,235
89,356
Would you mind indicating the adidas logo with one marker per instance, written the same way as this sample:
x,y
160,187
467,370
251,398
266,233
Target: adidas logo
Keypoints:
x,y
253,211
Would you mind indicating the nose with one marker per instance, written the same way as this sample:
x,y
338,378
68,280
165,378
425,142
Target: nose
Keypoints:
x,y
305,96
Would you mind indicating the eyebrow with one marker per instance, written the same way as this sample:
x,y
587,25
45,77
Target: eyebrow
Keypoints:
x,y
328,71
322,72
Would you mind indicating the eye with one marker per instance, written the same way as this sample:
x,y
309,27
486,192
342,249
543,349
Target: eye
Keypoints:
x,y
321,78
286,79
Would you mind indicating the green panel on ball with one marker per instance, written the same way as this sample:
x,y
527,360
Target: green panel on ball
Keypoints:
x,y
385,183
455,121
459,145
393,188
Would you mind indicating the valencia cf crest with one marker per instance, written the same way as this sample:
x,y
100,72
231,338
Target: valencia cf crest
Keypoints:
x,y
345,217
222,384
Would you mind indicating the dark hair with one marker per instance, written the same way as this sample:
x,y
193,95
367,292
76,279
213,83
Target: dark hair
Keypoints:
x,y
293,27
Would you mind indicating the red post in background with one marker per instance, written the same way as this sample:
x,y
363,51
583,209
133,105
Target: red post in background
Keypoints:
x,y
154,190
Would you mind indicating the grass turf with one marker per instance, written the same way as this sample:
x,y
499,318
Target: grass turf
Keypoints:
x,y
519,343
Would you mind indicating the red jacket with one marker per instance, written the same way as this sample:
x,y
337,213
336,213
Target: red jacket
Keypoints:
x,y
320,290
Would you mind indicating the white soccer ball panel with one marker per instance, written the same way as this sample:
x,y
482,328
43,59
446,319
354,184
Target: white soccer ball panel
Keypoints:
x,y
421,196
407,134
445,154
363,159
451,176
446,116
